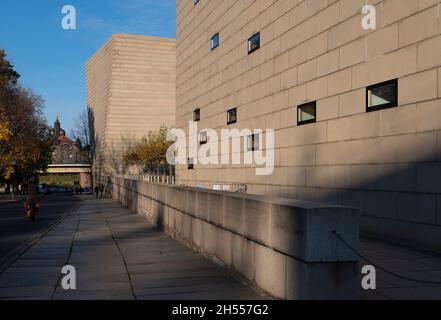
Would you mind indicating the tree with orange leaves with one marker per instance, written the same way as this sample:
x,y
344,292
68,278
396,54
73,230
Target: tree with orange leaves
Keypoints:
x,y
24,144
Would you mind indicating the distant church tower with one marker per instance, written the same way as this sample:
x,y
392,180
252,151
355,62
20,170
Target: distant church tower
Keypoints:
x,y
56,132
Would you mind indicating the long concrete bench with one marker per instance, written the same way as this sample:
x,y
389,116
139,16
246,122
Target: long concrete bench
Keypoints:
x,y
285,247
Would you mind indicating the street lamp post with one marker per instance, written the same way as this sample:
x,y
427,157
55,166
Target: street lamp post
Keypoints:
x,y
14,166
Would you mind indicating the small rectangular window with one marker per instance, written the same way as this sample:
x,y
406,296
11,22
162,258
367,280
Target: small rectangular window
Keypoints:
x,y
197,115
254,43
253,142
203,137
190,164
306,113
215,40
381,96
232,116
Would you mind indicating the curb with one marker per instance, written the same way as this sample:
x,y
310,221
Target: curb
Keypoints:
x,y
15,254
9,201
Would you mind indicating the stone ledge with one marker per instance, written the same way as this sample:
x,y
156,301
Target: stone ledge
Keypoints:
x,y
266,240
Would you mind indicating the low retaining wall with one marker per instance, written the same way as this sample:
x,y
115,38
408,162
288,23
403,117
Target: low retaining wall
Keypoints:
x,y
286,248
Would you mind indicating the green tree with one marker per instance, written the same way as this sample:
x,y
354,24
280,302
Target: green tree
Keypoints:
x,y
151,151
8,76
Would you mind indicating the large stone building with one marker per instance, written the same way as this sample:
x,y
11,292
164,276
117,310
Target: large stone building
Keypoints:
x,y
356,112
131,88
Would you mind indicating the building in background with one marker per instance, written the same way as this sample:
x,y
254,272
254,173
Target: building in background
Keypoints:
x,y
70,163
56,132
64,149
356,113
131,88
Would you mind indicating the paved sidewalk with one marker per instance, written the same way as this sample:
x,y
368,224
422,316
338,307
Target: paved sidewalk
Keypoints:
x,y
117,255
408,262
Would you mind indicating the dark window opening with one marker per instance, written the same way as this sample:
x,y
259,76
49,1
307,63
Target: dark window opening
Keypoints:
x,y
190,164
232,116
253,142
203,137
197,115
306,113
381,96
215,40
254,43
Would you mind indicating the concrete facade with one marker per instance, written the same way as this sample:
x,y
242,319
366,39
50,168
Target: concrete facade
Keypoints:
x,y
285,247
387,163
131,88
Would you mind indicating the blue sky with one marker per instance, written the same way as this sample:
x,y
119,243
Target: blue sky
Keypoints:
x,y
51,60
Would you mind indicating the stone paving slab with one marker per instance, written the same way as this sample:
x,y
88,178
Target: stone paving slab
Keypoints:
x,y
408,262
117,256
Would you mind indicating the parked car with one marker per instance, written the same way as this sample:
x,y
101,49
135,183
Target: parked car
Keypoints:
x,y
53,189
70,191
88,191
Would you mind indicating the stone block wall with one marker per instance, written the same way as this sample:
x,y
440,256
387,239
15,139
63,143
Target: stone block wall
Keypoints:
x,y
286,248
386,163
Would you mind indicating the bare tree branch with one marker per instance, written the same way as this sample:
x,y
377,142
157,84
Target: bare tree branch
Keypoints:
x,y
81,129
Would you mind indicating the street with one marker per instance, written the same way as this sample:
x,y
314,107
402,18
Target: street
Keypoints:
x,y
15,230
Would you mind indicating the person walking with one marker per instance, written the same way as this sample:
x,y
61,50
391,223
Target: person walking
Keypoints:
x,y
33,200
97,191
101,190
